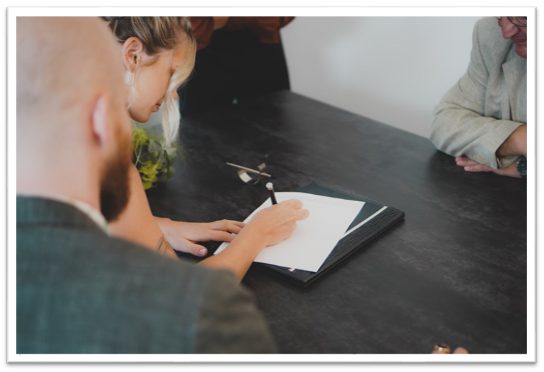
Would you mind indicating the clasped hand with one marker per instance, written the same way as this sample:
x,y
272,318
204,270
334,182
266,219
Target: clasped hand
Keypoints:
x,y
473,166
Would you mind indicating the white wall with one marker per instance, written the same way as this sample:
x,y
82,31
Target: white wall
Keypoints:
x,y
391,69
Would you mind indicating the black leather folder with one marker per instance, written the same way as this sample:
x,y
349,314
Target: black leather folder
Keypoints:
x,y
346,246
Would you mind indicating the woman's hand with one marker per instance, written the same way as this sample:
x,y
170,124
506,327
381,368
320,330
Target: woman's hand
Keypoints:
x,y
269,226
183,235
277,223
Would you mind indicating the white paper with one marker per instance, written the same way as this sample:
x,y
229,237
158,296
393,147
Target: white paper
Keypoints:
x,y
315,237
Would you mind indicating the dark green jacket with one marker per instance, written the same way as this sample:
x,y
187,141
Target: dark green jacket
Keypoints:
x,y
80,291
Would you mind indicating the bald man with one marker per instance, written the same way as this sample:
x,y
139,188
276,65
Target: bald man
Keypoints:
x,y
78,289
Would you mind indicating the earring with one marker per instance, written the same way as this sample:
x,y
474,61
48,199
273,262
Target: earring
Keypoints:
x,y
130,79
130,84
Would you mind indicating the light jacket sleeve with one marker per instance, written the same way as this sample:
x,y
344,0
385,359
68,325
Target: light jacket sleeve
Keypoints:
x,y
459,126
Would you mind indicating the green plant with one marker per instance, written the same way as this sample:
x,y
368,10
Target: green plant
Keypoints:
x,y
152,157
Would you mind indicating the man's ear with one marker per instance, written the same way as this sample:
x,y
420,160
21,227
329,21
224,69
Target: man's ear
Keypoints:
x,y
133,51
100,121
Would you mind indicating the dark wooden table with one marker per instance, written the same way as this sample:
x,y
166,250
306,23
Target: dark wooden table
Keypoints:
x,y
454,271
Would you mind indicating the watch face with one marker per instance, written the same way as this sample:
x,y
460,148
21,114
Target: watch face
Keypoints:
x,y
522,167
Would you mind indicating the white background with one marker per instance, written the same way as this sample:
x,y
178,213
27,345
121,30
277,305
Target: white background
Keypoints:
x,y
391,69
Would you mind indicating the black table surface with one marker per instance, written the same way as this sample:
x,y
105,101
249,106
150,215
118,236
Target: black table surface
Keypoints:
x,y
454,271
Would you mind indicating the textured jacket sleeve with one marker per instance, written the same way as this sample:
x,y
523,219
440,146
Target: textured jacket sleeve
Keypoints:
x,y
228,321
459,127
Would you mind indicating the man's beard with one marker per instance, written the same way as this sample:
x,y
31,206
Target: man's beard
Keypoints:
x,y
114,191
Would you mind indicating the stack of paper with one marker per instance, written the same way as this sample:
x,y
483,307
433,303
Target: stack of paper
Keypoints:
x,y
315,237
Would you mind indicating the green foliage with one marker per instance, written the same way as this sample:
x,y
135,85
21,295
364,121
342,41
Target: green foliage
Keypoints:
x,y
152,158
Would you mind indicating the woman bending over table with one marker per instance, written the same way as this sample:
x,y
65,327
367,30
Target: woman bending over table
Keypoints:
x,y
159,55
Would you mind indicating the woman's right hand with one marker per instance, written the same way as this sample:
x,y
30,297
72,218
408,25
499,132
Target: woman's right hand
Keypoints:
x,y
278,222
269,226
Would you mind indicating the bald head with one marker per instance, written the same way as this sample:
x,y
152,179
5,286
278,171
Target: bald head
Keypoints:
x,y
73,129
64,63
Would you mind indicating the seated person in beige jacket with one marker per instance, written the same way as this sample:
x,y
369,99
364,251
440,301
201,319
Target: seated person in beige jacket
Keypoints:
x,y
482,119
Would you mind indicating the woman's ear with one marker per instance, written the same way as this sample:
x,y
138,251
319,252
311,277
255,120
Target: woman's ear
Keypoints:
x,y
133,51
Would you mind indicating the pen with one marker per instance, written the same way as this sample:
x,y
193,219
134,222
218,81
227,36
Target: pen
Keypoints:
x,y
270,188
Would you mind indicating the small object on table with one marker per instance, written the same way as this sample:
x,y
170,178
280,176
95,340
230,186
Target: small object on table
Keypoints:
x,y
442,348
244,176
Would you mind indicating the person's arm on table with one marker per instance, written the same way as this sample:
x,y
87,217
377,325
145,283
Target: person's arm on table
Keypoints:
x,y
459,127
136,223
268,227
515,145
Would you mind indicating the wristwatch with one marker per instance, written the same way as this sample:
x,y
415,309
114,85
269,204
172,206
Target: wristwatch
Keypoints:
x,y
522,167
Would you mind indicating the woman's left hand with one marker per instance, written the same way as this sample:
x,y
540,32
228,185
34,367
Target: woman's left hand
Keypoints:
x,y
183,235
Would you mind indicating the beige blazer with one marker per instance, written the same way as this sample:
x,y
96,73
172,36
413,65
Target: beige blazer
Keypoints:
x,y
487,104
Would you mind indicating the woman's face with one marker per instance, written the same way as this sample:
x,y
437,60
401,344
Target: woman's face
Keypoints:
x,y
151,80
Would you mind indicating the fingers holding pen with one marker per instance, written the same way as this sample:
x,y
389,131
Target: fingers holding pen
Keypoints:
x,y
300,213
279,221
293,213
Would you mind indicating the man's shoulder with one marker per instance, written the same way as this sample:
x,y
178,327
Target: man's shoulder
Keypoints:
x,y
121,297
117,260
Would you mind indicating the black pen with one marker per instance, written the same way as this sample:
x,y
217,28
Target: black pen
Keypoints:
x,y
270,188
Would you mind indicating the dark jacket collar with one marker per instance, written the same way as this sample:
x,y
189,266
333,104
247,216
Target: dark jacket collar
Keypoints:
x,y
42,211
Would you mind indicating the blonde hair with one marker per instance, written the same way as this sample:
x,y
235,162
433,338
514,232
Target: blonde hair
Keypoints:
x,y
159,34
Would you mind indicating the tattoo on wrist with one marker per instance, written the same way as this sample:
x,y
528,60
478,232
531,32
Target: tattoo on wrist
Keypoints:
x,y
163,246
